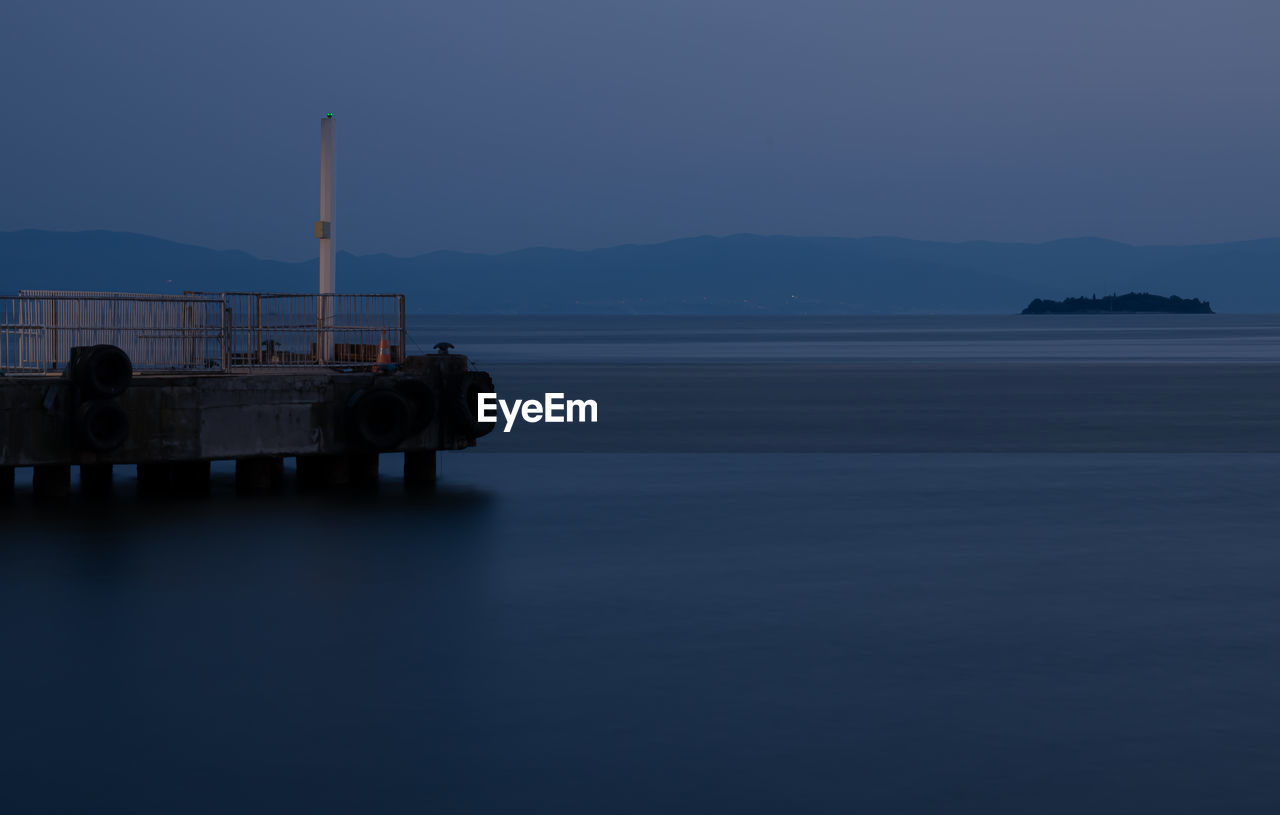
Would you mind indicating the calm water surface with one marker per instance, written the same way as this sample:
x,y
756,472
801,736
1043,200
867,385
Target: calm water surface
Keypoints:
x,y
977,615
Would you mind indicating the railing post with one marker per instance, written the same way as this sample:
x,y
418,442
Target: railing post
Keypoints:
x,y
53,338
226,336
190,347
257,337
404,347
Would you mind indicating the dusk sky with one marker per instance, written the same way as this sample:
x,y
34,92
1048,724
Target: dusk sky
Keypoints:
x,y
493,125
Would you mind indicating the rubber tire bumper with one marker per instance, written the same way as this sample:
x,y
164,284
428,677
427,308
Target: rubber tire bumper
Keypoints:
x,y
103,372
101,426
380,419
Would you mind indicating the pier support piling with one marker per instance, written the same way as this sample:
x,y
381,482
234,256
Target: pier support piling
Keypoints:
x,y
362,468
420,467
318,472
191,477
95,479
6,481
155,478
259,474
51,480
331,471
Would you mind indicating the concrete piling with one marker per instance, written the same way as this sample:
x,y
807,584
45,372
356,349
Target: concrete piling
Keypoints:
x,y
95,479
318,472
259,474
362,468
191,477
51,480
420,467
155,478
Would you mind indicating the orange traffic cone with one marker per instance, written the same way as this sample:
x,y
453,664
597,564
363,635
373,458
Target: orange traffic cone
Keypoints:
x,y
384,354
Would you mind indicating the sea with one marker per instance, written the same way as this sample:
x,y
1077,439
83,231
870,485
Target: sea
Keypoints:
x,y
923,564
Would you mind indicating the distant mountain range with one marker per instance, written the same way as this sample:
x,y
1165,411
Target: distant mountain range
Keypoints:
x,y
739,274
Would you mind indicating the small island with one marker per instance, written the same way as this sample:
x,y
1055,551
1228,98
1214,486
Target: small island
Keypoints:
x,y
1131,303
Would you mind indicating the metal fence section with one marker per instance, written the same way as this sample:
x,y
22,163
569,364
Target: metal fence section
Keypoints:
x,y
198,330
271,330
39,329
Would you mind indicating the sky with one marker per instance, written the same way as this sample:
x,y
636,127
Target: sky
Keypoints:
x,y
493,125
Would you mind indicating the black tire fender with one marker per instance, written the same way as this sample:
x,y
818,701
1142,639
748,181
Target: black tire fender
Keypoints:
x,y
103,372
101,426
379,418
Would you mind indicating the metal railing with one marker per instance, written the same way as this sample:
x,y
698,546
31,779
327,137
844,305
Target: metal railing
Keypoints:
x,y
38,330
271,330
217,331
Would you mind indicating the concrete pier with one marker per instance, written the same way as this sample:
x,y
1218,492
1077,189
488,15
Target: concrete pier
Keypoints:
x,y
334,422
51,480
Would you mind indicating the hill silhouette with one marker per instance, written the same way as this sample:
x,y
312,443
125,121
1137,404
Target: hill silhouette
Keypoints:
x,y
1131,303
738,274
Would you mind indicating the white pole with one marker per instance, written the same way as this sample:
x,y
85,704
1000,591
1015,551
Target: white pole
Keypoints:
x,y
325,232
